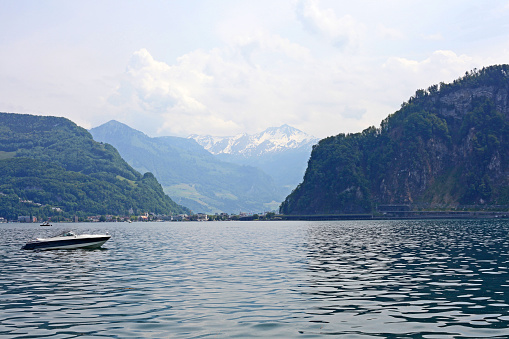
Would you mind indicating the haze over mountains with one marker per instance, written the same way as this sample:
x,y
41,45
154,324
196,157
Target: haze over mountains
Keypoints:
x,y
227,182
282,152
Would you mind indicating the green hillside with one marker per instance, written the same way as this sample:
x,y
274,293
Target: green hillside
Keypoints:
x,y
50,166
190,174
447,147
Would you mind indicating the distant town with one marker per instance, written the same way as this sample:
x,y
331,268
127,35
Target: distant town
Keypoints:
x,y
145,217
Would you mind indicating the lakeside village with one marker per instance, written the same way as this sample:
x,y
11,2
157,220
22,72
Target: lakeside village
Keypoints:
x,y
132,217
149,217
394,211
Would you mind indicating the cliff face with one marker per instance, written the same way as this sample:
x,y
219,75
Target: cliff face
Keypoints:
x,y
447,146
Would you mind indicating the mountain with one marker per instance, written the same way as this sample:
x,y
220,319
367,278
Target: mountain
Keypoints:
x,y
446,148
190,174
272,140
282,152
49,166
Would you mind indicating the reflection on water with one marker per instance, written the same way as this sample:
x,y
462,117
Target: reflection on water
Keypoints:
x,y
353,279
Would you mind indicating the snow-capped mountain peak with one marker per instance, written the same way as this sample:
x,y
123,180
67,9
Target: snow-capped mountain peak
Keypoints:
x,y
272,140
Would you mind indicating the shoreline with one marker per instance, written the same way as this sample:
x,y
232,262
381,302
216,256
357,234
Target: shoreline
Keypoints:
x,y
403,215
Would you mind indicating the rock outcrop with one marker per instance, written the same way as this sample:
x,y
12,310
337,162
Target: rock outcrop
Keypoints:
x,y
447,147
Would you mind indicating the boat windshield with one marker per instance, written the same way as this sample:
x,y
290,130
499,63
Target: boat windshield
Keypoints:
x,y
67,234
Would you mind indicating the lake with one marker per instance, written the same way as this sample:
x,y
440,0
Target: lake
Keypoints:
x,y
281,279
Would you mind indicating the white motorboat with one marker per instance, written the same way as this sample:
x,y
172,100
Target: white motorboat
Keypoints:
x,y
68,241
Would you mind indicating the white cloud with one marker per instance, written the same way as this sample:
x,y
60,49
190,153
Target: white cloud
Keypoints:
x,y
410,75
441,65
259,82
235,67
161,97
263,42
344,32
264,81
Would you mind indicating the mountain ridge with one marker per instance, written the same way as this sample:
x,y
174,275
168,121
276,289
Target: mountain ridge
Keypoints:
x,y
190,174
271,140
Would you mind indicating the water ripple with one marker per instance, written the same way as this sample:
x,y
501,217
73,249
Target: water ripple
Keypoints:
x,y
355,279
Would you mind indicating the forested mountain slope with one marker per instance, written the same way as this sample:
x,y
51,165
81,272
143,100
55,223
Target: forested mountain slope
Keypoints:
x,y
50,166
190,174
447,147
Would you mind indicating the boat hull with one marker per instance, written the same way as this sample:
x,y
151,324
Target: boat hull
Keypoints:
x,y
67,244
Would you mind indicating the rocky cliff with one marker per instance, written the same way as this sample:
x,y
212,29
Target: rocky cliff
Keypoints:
x,y
447,147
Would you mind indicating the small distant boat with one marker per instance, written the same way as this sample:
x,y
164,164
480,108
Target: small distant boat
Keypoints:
x,y
46,223
68,241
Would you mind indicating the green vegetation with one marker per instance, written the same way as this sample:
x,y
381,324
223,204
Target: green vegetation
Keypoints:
x,y
50,167
191,175
447,147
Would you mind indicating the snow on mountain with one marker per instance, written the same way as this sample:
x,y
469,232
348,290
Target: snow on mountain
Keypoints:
x,y
272,140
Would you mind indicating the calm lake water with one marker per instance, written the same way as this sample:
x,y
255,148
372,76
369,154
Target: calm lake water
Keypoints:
x,y
349,279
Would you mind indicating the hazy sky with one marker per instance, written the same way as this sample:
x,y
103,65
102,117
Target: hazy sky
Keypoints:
x,y
227,67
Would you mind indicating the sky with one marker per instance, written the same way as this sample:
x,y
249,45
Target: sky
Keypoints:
x,y
226,67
